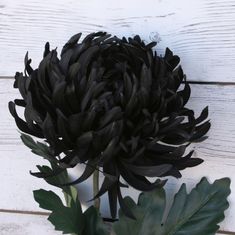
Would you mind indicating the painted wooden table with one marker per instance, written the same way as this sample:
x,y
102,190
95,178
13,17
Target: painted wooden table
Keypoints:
x,y
201,32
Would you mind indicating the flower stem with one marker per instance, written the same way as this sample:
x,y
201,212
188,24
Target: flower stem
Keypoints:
x,y
96,189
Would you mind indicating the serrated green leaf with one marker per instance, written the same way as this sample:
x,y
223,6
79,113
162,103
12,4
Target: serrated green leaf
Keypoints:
x,y
46,172
53,175
38,148
71,219
198,212
48,200
66,219
148,212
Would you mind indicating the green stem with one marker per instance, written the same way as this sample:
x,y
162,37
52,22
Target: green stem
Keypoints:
x,y
96,189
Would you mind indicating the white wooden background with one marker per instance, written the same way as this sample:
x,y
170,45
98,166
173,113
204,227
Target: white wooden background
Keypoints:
x,y
201,32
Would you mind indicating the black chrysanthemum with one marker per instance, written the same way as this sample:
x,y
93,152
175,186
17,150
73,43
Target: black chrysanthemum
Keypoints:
x,y
113,104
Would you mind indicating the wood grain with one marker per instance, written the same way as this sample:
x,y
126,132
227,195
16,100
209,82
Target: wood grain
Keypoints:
x,y
201,32
218,152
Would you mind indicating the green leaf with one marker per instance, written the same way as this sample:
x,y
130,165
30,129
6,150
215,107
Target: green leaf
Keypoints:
x,y
38,148
198,212
28,141
66,219
94,223
48,200
46,172
70,220
53,175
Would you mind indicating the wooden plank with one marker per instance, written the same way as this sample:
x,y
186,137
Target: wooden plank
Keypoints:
x,y
202,32
218,151
21,224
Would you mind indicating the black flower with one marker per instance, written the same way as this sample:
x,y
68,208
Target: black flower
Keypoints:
x,y
113,104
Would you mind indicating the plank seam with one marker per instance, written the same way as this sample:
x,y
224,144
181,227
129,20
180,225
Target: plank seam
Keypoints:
x,y
24,212
47,214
